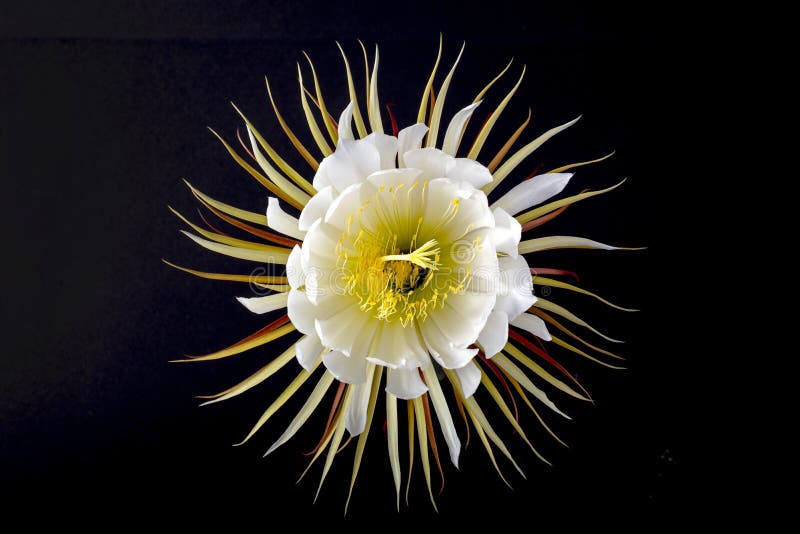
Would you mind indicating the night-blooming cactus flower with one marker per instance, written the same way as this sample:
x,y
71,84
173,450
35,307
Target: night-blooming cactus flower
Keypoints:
x,y
404,276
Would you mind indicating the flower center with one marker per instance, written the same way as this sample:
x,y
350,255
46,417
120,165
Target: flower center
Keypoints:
x,y
385,267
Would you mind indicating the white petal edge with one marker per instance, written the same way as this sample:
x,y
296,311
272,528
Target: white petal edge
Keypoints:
x,y
442,350
507,233
345,122
356,418
405,383
470,378
315,208
301,311
308,350
456,128
533,324
431,161
394,177
386,145
350,164
294,268
515,291
409,139
344,368
532,192
494,335
468,170
264,304
279,220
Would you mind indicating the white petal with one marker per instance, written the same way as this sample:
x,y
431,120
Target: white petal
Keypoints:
x,y
308,350
532,192
362,341
409,139
494,335
279,220
342,330
386,146
469,170
264,304
470,378
473,209
344,368
316,207
356,418
362,155
455,326
321,179
330,304
471,308
431,161
476,252
301,311
443,351
456,128
507,233
324,289
533,324
350,164
319,247
397,347
405,383
294,268
515,288
343,206
346,122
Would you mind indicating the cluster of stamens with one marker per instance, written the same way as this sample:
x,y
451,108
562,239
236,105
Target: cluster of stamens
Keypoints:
x,y
390,274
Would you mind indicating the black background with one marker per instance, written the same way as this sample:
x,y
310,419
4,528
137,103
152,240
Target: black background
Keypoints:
x,y
104,109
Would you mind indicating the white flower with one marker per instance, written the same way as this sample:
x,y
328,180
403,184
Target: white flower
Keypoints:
x,y
400,265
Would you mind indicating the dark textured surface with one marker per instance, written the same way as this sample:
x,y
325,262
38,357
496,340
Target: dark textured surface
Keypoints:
x,y
104,111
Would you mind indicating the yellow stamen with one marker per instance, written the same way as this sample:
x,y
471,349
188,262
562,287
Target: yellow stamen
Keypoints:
x,y
424,256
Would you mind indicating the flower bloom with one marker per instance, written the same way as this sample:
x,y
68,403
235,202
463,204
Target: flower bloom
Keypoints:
x,y
404,272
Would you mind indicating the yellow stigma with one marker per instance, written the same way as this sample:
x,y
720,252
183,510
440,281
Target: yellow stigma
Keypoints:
x,y
424,256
